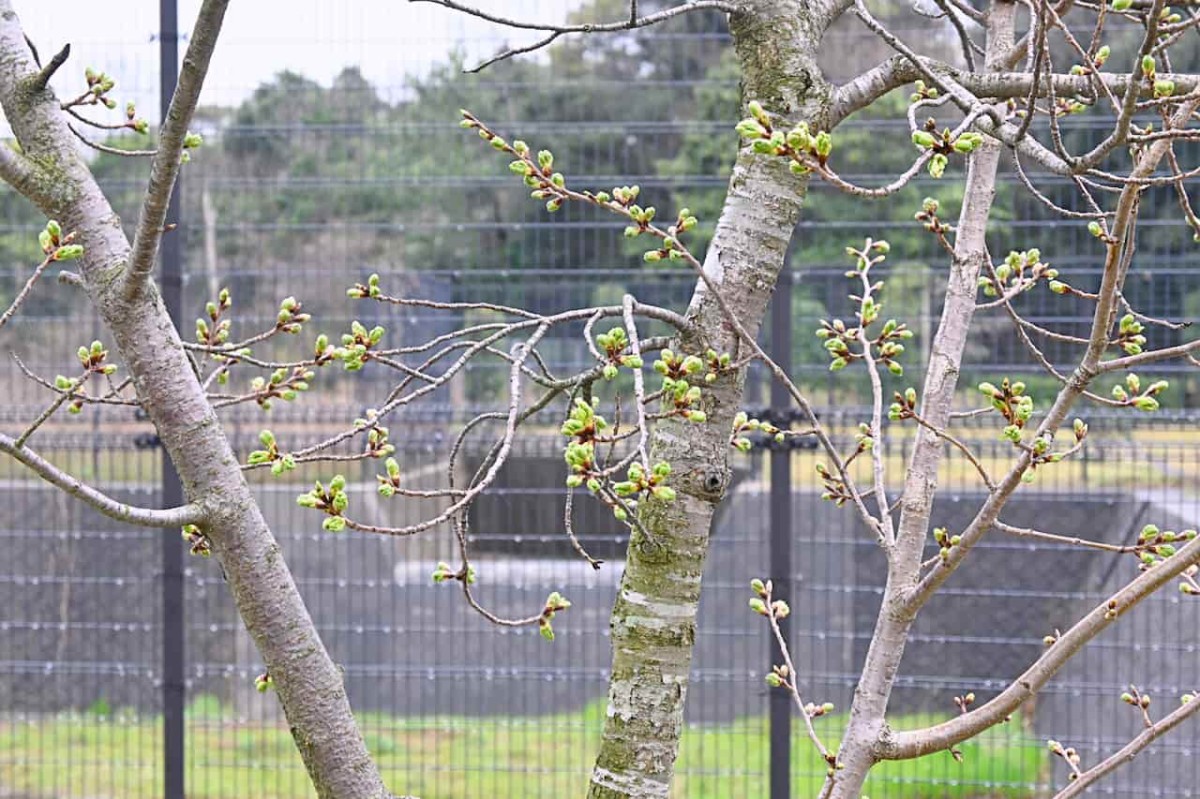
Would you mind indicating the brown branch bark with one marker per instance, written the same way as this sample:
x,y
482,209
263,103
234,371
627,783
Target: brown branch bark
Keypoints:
x,y
916,743
165,167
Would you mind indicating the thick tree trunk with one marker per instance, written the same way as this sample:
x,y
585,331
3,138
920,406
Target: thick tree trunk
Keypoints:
x,y
310,686
654,618
867,725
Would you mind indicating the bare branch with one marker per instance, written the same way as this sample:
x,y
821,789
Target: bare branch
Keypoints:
x,y
105,148
25,290
899,70
909,744
174,128
633,22
1026,532
1131,750
42,79
114,509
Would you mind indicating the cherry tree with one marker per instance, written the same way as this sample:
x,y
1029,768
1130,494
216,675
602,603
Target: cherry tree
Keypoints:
x,y
650,426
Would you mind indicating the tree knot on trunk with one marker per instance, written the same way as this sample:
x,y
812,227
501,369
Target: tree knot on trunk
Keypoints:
x,y
706,483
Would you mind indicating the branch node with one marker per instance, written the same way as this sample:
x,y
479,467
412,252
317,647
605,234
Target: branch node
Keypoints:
x,y
42,79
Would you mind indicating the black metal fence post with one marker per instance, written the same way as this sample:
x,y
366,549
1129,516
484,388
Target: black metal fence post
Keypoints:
x,y
173,664
780,536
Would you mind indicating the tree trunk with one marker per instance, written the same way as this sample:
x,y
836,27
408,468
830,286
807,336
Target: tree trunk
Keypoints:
x,y
654,617
867,725
310,686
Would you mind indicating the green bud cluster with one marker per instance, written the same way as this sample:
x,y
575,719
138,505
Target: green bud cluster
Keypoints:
x,y
1134,395
928,216
945,542
803,147
1019,272
56,246
377,435
1129,335
1097,62
555,603
923,92
612,346
1164,88
1068,754
323,351
360,291
1155,545
191,141
133,122
685,399
638,482
216,333
291,317
716,363
1066,106
583,425
743,424
333,501
390,481
762,604
357,344
1013,404
1138,699
264,682
280,384
677,371
904,406
864,438
835,489
943,144
99,84
442,572
280,462
839,338
93,359
197,541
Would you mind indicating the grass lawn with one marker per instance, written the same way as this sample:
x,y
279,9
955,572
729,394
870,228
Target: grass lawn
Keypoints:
x,y
89,756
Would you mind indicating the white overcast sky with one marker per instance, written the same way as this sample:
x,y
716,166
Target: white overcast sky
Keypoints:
x,y
387,39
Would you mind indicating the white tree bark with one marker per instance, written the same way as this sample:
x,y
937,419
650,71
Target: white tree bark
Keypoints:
x,y
52,175
868,713
654,619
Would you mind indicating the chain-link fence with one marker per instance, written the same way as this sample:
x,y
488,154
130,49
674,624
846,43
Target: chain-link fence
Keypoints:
x,y
312,179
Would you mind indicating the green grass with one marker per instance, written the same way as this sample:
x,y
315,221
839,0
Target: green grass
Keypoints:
x,y
93,756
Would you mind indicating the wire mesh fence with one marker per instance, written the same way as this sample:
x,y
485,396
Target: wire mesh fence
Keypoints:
x,y
312,179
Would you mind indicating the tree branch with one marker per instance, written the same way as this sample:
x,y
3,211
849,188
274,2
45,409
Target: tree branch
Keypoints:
x,y
165,168
554,31
43,77
23,294
112,508
22,174
899,70
916,743
1131,749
